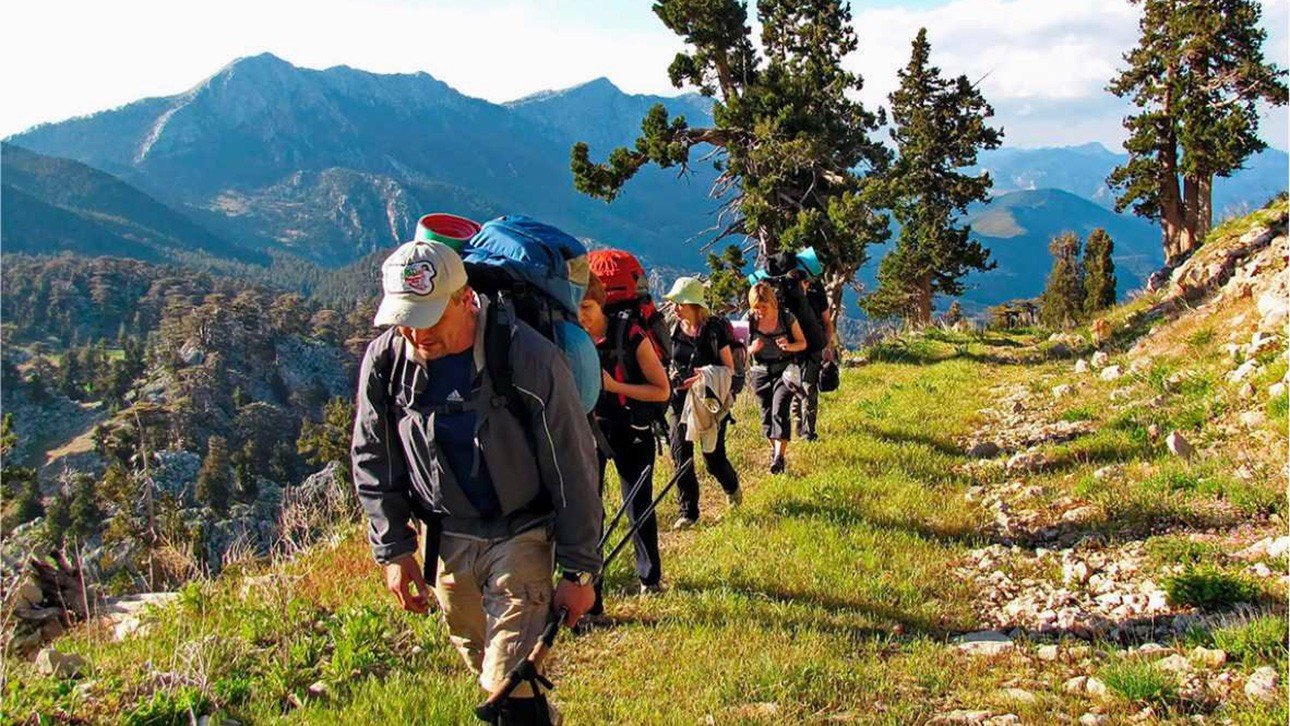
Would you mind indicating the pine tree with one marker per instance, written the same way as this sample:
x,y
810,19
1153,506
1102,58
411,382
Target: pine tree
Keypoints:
x,y
86,516
792,142
58,517
244,481
1099,272
1062,303
214,480
1197,76
69,376
328,441
727,283
27,505
8,438
939,125
954,314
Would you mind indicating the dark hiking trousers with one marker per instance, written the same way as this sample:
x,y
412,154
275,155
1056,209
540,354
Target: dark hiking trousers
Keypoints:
x,y
718,462
633,456
806,404
775,399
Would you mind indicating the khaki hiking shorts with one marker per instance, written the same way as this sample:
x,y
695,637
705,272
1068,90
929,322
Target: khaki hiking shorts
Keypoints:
x,y
496,596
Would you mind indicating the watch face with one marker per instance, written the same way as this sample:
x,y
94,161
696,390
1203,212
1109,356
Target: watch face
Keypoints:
x,y
581,578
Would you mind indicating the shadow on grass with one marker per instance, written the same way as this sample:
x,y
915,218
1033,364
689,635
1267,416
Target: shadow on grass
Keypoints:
x,y
942,445
830,614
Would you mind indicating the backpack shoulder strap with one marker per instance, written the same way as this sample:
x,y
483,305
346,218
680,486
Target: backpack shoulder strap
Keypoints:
x,y
622,323
499,326
711,334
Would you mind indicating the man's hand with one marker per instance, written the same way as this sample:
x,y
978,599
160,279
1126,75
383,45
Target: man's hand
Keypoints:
x,y
400,576
687,383
830,354
575,598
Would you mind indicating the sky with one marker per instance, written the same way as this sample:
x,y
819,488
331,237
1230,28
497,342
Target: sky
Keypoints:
x,y
1043,64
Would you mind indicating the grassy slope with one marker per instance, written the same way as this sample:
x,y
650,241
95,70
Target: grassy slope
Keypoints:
x,y
828,595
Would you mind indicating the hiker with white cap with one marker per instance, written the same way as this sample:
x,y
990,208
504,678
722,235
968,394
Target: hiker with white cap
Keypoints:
x,y
505,493
699,339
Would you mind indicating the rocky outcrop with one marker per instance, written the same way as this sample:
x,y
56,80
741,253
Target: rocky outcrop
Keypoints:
x,y
1213,265
50,595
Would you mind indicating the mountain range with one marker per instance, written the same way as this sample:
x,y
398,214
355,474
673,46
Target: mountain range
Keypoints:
x,y
329,166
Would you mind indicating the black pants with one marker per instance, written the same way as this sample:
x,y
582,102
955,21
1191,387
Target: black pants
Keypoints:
x,y
634,458
806,404
718,462
775,399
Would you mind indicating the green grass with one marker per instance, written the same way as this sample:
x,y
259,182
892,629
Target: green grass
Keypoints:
x,y
1140,682
1079,413
829,595
1258,641
1210,588
1174,550
1201,338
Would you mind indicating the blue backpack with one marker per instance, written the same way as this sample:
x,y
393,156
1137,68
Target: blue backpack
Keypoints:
x,y
539,274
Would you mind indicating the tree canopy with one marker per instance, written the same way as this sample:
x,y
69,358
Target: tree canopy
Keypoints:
x,y
1197,76
791,141
938,126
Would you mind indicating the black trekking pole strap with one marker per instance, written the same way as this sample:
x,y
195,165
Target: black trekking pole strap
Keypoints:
x,y
526,671
618,516
640,521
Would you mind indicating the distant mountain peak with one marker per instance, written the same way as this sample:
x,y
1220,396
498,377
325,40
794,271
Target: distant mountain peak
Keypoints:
x,y
601,83
261,62
596,87
1092,147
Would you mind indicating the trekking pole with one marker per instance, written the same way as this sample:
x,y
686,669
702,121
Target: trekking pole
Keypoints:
x,y
649,512
640,482
524,671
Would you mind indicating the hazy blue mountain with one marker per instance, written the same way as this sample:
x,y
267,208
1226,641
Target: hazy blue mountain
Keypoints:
x,y
56,205
334,165
330,165
602,115
597,112
1017,227
1082,170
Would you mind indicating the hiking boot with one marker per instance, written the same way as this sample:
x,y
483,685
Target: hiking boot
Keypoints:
x,y
684,523
811,437
652,589
735,498
777,465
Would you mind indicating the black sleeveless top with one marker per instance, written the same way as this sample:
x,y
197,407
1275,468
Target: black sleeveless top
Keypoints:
x,y
770,353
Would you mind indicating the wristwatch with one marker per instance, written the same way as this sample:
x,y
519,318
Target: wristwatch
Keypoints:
x,y
578,577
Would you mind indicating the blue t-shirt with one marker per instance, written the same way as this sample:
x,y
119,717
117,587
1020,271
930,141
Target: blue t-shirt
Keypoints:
x,y
451,378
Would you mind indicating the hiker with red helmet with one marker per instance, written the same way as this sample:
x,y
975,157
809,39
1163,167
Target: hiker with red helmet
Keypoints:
x,y
633,389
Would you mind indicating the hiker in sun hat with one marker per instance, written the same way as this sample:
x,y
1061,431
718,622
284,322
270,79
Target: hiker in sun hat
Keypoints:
x,y
504,497
699,339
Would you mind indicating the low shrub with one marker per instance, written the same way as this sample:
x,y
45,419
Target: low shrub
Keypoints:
x,y
1140,682
1259,640
1209,588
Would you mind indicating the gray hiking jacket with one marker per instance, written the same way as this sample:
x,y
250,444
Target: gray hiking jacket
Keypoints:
x,y
544,469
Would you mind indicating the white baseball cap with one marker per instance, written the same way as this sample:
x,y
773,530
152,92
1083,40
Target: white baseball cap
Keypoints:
x,y
419,280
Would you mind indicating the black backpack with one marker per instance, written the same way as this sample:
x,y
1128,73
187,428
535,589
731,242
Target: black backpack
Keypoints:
x,y
625,365
791,297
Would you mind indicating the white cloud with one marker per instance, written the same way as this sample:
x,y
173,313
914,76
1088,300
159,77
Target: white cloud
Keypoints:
x,y
1032,49
1043,65
68,57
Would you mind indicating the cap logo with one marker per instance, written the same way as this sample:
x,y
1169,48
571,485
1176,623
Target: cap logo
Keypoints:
x,y
418,277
